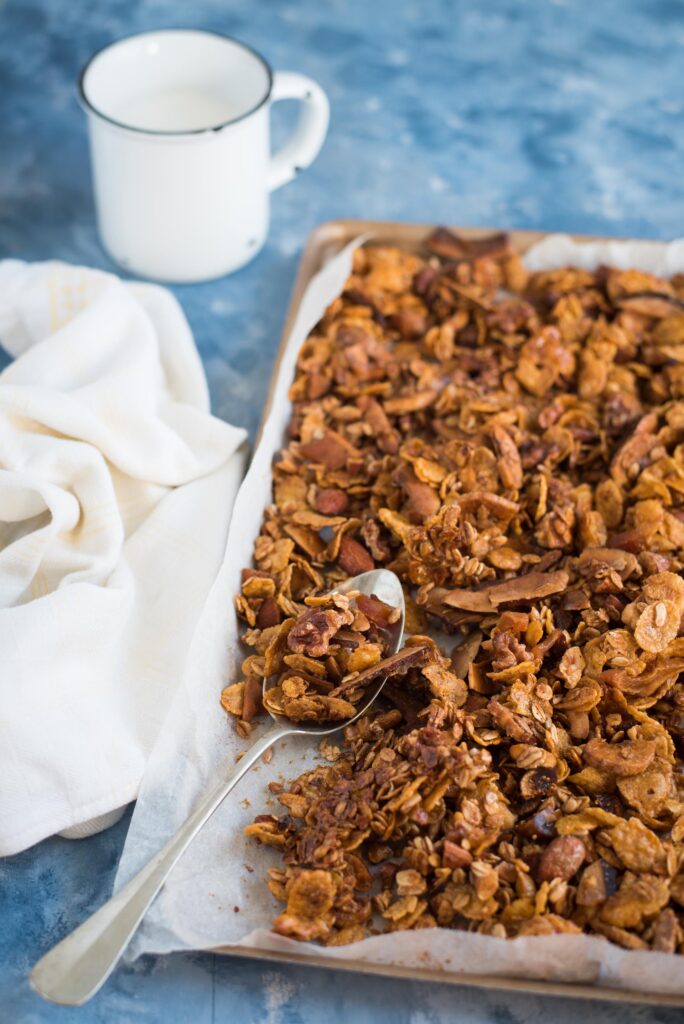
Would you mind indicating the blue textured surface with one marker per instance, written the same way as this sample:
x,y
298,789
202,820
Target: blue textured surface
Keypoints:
x,y
564,115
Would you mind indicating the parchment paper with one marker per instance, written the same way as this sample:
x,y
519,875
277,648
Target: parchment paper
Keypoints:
x,y
217,893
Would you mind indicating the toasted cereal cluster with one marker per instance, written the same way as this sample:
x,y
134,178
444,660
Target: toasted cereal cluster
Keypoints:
x,y
512,446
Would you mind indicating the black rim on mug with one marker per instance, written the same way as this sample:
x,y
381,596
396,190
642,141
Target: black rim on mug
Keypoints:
x,y
90,107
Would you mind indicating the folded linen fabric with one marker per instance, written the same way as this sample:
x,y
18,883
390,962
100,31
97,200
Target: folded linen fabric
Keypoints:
x,y
116,489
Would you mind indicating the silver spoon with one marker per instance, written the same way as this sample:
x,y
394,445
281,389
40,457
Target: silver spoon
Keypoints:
x,y
79,965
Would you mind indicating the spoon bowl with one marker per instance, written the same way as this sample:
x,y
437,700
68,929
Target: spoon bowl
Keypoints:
x,y
380,583
74,970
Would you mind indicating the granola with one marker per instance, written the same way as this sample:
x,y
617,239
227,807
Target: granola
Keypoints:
x,y
324,660
512,446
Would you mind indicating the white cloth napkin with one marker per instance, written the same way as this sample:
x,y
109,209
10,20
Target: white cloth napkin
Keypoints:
x,y
116,489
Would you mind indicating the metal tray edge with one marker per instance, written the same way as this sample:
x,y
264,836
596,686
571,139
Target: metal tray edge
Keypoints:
x,y
490,982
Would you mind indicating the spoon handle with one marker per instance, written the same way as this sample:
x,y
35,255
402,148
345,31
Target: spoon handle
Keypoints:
x,y
73,970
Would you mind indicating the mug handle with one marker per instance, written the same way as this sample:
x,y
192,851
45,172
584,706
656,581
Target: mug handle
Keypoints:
x,y
303,146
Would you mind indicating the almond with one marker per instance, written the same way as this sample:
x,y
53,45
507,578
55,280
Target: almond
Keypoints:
x,y
562,858
331,501
327,449
353,557
269,614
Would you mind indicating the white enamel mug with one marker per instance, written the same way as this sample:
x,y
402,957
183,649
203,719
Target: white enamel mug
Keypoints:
x,y
179,140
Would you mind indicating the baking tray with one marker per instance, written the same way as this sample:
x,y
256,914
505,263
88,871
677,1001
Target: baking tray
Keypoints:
x,y
326,241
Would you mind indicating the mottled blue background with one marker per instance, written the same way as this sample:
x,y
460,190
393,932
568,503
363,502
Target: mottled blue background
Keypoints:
x,y
563,115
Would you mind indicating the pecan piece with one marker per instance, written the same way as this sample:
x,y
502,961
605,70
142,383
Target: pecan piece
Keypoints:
x,y
312,632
